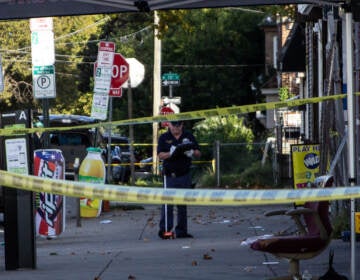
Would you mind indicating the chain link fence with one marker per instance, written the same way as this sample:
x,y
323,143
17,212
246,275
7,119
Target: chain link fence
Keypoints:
x,y
238,162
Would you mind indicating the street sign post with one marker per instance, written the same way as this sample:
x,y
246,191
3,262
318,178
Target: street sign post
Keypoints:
x,y
103,73
42,41
44,81
99,107
106,52
170,79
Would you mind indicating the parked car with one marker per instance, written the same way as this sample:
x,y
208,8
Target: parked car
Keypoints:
x,y
73,143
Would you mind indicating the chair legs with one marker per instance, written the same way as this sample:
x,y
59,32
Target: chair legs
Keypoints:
x,y
294,269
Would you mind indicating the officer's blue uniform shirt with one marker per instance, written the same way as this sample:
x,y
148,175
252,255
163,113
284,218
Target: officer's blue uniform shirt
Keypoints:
x,y
181,164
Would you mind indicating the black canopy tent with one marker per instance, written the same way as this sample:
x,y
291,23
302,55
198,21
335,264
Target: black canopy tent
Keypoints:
x,y
18,9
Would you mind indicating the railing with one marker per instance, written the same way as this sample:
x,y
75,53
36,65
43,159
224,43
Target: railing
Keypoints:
x,y
217,158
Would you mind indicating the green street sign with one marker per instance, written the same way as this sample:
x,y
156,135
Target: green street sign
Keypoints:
x,y
43,70
170,79
44,81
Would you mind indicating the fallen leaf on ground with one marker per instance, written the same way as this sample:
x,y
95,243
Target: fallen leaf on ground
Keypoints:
x,y
207,257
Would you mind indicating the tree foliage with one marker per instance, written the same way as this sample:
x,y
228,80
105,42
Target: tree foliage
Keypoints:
x,y
71,34
218,54
215,57
16,61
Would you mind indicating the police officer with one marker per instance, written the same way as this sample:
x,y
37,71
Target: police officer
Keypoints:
x,y
176,147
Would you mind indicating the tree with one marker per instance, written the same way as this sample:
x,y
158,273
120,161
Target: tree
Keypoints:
x,y
71,33
217,57
16,59
215,51
133,37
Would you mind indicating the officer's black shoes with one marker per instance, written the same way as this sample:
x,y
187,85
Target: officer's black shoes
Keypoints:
x,y
184,235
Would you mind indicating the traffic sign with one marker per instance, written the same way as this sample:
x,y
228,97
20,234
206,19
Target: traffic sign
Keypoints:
x,y
99,108
136,73
42,47
120,74
171,79
168,100
166,111
44,81
106,52
103,71
102,79
41,24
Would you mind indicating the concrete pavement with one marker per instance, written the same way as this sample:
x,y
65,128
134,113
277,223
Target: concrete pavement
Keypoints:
x,y
123,244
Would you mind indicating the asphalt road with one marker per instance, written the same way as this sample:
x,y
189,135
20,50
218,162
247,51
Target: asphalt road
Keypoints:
x,y
123,244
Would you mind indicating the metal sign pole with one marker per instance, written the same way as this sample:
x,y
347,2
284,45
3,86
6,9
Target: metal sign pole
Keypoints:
x,y
131,133
170,91
351,134
109,139
46,122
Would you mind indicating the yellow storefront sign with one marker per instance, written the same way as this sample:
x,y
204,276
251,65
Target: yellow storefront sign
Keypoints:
x,y
305,162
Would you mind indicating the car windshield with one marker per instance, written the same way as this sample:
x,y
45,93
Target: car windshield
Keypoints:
x,y
69,139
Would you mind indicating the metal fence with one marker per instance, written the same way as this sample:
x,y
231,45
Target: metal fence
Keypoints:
x,y
219,159
235,158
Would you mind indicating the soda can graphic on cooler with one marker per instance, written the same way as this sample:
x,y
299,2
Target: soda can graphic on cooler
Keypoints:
x,y
50,208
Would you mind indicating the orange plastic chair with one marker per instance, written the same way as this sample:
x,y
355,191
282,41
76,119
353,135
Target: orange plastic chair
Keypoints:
x,y
313,237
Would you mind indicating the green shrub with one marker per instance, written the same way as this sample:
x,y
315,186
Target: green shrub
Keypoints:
x,y
229,129
258,175
254,177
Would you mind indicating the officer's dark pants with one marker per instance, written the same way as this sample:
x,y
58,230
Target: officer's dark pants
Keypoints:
x,y
182,182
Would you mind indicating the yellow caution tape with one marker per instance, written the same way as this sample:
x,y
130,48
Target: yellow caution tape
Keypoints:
x,y
151,163
174,196
183,116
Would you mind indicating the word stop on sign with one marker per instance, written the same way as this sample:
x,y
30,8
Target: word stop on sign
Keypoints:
x,y
119,71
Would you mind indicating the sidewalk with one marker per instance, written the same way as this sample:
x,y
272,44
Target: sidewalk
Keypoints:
x,y
123,244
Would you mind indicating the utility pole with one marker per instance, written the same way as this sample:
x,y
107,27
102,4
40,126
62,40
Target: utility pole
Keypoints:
x,y
156,89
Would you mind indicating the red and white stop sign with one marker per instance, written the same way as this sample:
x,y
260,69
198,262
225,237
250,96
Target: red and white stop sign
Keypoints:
x,y
120,75
166,111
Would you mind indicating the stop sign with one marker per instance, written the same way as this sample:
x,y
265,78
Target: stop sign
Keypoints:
x,y
166,111
120,74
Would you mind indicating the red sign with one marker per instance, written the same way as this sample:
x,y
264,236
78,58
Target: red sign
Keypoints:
x,y
106,46
119,76
106,54
166,111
